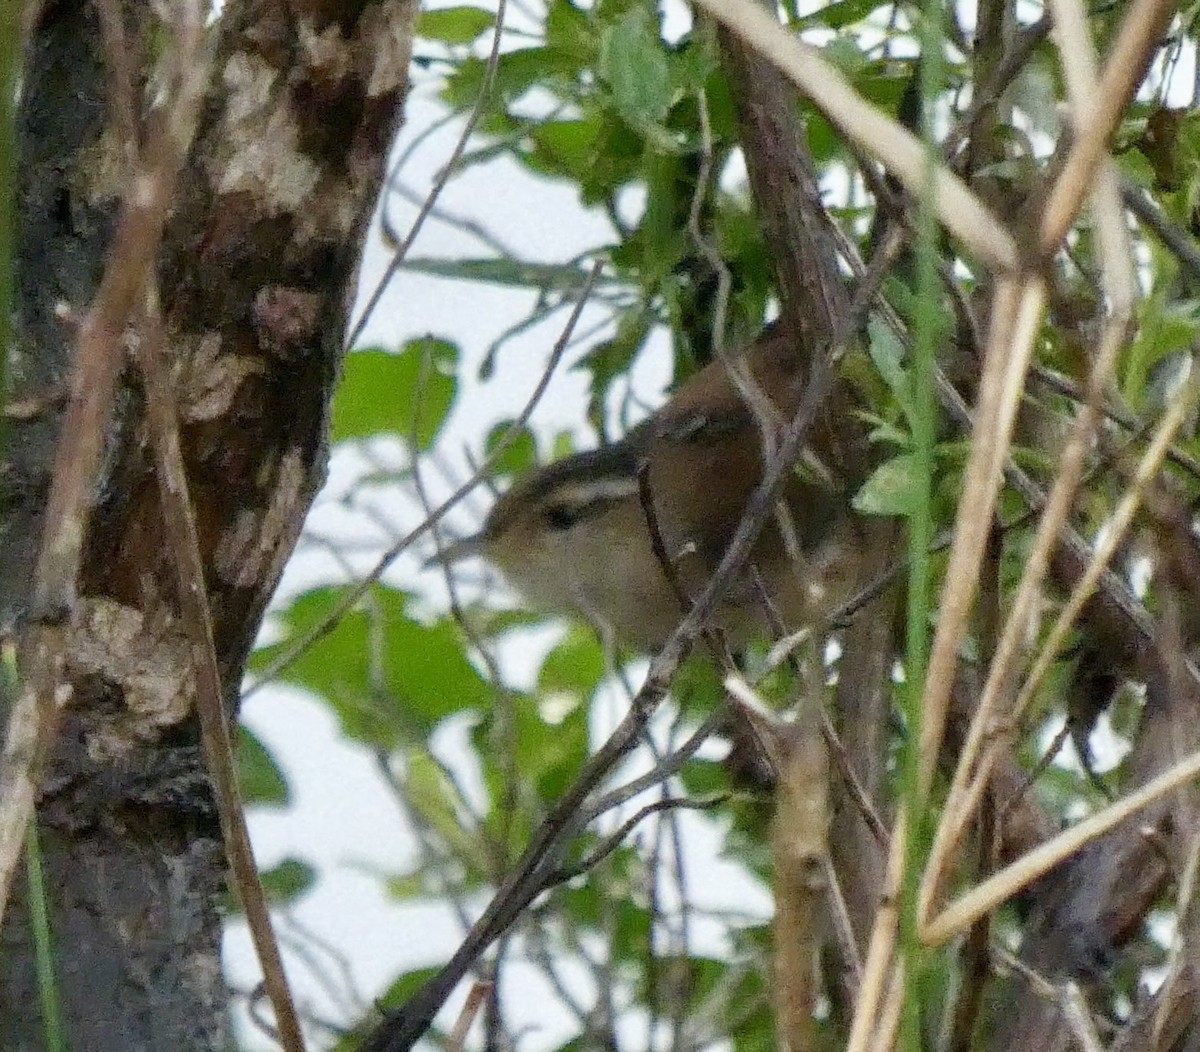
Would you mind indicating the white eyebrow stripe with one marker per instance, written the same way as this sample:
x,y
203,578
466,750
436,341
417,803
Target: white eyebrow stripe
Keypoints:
x,y
582,492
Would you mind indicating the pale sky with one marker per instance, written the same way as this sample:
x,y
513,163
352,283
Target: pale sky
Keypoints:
x,y
342,818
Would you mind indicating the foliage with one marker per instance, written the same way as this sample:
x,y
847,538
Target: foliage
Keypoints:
x,y
644,129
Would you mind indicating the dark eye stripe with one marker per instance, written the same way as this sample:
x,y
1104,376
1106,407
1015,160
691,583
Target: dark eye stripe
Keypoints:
x,y
562,515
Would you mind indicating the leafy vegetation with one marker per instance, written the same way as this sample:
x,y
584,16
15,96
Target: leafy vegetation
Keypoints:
x,y
639,118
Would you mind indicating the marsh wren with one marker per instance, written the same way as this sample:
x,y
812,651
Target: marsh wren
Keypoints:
x,y
575,536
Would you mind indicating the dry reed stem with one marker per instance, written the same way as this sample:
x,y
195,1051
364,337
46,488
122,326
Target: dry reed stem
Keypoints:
x,y
457,1040
1079,62
962,803
966,790
1079,1018
1176,961
878,972
1009,350
998,401
1135,42
889,1019
1016,316
958,811
997,889
843,927
1147,470
1067,998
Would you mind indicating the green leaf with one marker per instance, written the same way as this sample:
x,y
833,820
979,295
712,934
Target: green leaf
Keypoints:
x,y
427,668
404,988
1167,328
520,454
883,431
454,25
887,354
610,359
838,15
516,73
512,272
892,489
846,55
1135,166
389,678
396,995
409,393
693,69
408,887
704,778
288,880
699,687
635,67
576,666
661,236
259,776
569,30
464,84
435,799
567,148
552,737
562,446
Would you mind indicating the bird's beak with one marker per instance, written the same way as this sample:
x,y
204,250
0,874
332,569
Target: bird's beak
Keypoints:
x,y
456,551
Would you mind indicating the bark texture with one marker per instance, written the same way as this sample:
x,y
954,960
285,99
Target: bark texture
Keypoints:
x,y
257,273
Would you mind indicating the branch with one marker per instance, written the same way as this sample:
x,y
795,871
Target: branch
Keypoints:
x,y
183,547
894,147
401,1029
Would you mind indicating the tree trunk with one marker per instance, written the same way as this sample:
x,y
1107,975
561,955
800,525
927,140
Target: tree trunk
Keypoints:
x,y
257,272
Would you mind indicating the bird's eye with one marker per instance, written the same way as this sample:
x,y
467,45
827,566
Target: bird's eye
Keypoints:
x,y
586,499
562,516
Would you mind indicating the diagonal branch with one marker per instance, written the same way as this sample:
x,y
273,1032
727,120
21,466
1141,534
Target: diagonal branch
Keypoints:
x,y
893,146
183,547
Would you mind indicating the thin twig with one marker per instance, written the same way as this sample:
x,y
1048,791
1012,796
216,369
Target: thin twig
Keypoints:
x,y
397,260
614,839
658,775
1021,48
183,546
1177,958
657,544
1181,245
121,97
833,742
1124,419
401,1030
475,999
1140,30
510,435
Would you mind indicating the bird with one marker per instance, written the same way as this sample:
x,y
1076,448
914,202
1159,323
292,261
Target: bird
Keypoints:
x,y
576,536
